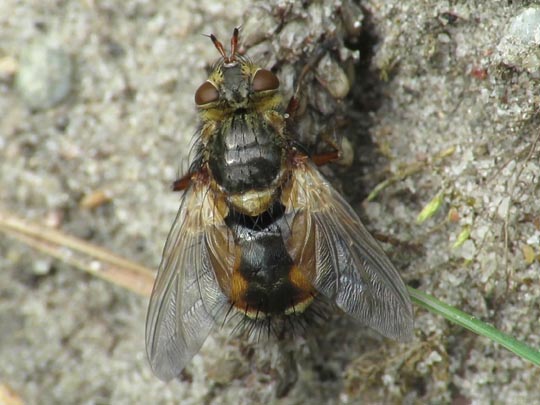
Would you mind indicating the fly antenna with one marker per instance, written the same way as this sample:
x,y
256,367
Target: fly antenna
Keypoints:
x,y
234,44
219,46
221,49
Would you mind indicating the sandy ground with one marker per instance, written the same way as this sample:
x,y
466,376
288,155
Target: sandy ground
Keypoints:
x,y
432,77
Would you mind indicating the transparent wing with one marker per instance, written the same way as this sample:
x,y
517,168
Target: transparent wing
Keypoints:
x,y
186,299
351,268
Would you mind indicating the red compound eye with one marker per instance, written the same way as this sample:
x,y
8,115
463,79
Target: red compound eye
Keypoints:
x,y
206,93
264,80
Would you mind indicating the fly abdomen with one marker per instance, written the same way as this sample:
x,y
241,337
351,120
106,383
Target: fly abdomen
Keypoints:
x,y
266,281
245,154
265,266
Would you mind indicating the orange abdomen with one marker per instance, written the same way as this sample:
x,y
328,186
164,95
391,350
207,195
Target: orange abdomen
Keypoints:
x,y
265,279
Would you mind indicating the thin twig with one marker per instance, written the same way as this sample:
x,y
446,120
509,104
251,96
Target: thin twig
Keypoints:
x,y
411,169
79,253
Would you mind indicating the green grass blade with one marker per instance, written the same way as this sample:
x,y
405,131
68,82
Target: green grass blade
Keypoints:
x,y
469,322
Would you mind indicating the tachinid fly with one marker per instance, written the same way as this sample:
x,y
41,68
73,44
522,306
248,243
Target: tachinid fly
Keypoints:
x,y
260,233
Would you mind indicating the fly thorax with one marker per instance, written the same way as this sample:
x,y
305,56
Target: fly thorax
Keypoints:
x,y
245,159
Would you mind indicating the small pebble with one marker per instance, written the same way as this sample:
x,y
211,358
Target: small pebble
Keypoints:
x,y
42,267
333,77
8,68
44,77
520,44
